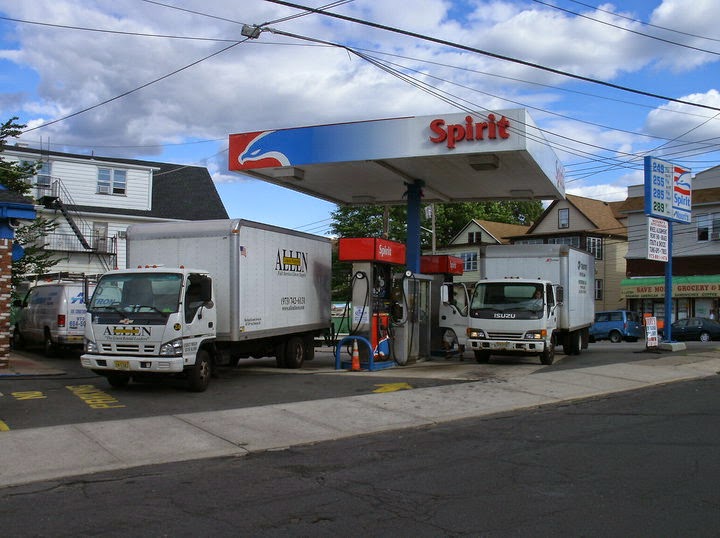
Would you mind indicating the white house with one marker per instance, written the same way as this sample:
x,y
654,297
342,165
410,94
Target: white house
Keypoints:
x,y
94,199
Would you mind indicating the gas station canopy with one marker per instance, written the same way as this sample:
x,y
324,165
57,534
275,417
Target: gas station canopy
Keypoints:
x,y
451,157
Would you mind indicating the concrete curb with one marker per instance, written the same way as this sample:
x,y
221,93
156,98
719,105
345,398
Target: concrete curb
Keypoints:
x,y
55,452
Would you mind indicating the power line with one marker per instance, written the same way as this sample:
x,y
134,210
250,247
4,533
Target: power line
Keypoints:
x,y
625,29
494,55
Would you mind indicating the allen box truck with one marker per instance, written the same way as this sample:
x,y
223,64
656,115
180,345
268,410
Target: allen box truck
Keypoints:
x,y
533,298
206,293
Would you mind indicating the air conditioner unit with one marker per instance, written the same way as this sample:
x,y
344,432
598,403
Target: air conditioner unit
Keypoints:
x,y
714,236
104,189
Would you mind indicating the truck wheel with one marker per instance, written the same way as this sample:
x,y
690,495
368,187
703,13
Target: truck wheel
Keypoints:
x,y
118,380
573,345
294,353
199,375
18,342
280,354
309,348
615,337
482,357
48,346
547,357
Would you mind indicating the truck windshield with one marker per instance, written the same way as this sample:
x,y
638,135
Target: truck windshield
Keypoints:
x,y
516,300
137,292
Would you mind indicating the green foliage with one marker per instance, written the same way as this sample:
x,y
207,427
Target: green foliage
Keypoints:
x,y
36,260
367,221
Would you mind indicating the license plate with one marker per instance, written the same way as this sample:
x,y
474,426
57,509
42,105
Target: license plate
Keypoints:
x,y
122,365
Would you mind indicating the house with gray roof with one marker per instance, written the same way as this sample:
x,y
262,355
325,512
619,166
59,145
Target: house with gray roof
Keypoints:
x,y
94,199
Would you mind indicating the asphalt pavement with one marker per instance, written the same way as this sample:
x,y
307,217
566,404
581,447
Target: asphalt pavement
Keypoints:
x,y
54,452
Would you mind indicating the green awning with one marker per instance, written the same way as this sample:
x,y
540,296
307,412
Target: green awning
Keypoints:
x,y
683,286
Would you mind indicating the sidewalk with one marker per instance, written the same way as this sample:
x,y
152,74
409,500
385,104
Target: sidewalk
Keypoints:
x,y
59,451
24,365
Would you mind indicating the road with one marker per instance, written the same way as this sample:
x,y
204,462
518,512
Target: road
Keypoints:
x,y
641,463
77,395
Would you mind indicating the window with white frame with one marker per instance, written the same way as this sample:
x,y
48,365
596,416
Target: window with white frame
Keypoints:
x,y
564,218
598,289
595,247
528,242
111,181
474,237
708,227
470,261
43,176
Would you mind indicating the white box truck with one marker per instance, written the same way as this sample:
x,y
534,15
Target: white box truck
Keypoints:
x,y
533,298
205,293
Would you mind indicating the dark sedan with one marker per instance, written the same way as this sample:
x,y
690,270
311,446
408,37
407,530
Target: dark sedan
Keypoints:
x,y
702,329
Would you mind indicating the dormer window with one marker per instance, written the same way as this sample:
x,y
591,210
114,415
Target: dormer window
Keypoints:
x,y
111,181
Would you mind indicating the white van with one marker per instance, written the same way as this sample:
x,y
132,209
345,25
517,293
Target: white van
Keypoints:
x,y
52,315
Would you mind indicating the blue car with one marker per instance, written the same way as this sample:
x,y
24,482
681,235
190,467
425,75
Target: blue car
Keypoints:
x,y
616,326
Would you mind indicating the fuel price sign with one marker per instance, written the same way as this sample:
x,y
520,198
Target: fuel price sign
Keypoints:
x,y
667,191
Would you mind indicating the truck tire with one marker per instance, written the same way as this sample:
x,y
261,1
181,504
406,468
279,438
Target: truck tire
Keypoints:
x,y
118,380
294,353
309,348
573,343
280,354
547,357
48,346
482,357
199,374
615,337
18,342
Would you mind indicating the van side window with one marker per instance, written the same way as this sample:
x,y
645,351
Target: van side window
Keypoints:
x,y
616,316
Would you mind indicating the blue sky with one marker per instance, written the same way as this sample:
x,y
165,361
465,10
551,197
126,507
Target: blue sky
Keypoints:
x,y
68,55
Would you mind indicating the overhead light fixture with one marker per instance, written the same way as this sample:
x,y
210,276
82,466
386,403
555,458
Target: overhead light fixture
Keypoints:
x,y
484,161
288,172
522,193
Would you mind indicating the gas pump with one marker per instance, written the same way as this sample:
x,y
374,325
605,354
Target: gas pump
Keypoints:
x,y
450,305
373,306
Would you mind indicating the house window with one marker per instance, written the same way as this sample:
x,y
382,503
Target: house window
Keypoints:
x,y
598,289
572,240
564,218
470,262
595,247
703,227
43,176
111,181
474,237
708,227
528,242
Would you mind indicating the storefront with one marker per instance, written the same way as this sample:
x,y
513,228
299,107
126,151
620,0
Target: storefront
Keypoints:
x,y
691,296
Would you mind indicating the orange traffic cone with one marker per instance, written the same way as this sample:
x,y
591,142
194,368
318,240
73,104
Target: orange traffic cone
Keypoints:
x,y
355,366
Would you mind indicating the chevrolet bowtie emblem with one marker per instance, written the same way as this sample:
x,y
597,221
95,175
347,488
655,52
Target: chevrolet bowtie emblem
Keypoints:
x,y
126,321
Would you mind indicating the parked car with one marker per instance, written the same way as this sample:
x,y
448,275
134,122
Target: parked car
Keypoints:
x,y
702,329
616,326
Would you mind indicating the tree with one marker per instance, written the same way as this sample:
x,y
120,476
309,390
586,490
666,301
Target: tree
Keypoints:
x,y
14,176
367,221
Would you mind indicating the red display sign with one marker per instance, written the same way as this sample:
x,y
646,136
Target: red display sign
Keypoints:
x,y
370,249
441,264
469,131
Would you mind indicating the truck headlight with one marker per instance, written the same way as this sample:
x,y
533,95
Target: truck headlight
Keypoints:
x,y
535,335
90,346
174,348
475,333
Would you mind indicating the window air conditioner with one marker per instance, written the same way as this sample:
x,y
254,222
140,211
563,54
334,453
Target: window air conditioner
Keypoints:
x,y
103,189
714,236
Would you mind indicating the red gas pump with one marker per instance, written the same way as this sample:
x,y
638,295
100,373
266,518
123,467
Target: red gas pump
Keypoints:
x,y
373,261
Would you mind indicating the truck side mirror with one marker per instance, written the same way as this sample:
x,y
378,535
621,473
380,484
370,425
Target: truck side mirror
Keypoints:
x,y
444,294
560,295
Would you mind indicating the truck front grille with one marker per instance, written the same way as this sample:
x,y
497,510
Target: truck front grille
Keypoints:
x,y
134,349
505,336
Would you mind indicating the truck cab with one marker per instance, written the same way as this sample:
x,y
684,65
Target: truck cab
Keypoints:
x,y
150,322
514,317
